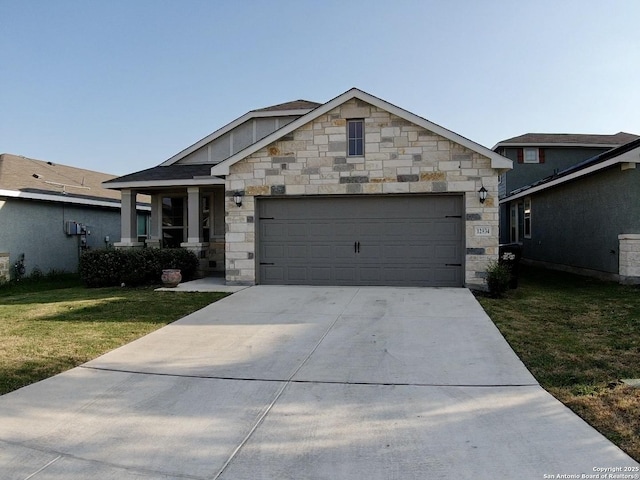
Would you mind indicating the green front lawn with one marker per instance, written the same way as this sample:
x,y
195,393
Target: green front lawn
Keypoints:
x,y
578,336
52,325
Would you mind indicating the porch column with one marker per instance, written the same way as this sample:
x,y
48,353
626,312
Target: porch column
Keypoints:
x,y
193,215
155,234
128,220
194,242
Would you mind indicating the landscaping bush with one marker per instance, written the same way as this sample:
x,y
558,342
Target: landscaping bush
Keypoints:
x,y
498,278
105,268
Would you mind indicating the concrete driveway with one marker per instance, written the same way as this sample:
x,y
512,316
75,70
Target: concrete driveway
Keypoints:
x,y
304,383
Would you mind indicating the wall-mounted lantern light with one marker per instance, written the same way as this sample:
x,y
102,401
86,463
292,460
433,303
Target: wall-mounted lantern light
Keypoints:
x,y
482,194
237,198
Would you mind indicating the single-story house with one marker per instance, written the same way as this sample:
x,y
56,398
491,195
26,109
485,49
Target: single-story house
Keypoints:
x,y
50,213
586,218
354,191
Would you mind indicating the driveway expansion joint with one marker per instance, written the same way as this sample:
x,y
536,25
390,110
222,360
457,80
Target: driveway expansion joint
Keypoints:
x,y
62,455
316,382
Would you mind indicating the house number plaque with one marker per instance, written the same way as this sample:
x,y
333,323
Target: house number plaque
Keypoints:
x,y
483,231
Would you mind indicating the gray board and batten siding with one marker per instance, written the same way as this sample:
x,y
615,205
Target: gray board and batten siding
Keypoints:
x,y
403,240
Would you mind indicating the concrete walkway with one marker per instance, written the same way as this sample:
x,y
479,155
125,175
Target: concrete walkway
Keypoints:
x,y
206,284
304,383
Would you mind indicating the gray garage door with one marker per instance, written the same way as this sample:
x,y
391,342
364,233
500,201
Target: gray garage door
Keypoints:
x,y
406,240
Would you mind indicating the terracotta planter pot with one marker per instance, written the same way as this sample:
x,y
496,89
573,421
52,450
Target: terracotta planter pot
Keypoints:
x,y
171,277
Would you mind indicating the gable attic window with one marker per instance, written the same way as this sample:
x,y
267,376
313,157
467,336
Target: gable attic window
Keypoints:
x,y
355,138
530,155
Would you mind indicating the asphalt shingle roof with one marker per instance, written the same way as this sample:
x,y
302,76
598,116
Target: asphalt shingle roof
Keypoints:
x,y
294,105
568,138
18,173
169,172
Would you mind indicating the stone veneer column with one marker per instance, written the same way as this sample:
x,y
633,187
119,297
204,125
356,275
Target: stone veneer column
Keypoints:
x,y
629,260
5,271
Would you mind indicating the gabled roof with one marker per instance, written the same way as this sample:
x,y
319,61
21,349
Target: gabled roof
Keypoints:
x,y
295,108
23,177
497,161
567,140
628,153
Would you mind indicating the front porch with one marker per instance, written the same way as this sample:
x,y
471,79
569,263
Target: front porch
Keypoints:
x,y
191,217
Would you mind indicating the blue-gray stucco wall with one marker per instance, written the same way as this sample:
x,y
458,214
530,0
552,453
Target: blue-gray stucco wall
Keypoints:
x,y
36,229
556,159
577,224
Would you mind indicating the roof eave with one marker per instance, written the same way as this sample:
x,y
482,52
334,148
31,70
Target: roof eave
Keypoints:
x,y
64,199
562,144
185,182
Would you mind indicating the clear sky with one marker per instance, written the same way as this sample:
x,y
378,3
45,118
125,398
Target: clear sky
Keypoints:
x,y
121,85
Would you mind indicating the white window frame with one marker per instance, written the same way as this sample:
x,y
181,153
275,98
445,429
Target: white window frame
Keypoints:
x,y
534,156
527,217
513,223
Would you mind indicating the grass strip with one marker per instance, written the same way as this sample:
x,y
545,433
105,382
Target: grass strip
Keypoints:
x,y
46,331
578,336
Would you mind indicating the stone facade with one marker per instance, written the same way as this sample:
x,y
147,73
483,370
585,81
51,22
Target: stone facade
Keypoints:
x,y
400,158
5,270
629,258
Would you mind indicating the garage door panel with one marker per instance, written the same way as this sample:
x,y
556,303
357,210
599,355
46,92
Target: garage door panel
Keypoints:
x,y
272,251
403,240
320,252
300,252
447,253
408,253
370,275
296,230
322,229
272,230
272,274
345,275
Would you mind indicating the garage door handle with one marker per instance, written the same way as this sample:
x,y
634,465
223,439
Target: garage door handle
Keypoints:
x,y
263,263
356,247
452,264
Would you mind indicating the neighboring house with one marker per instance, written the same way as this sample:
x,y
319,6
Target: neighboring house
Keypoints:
x,y
49,213
355,191
537,156
585,218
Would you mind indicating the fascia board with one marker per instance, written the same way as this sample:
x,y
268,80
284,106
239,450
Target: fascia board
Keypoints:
x,y
166,183
497,161
572,176
227,128
552,145
55,198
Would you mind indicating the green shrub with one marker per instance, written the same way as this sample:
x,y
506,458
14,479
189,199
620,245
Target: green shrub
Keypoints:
x,y
498,278
105,268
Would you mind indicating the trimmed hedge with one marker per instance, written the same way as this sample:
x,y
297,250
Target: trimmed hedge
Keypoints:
x,y
133,267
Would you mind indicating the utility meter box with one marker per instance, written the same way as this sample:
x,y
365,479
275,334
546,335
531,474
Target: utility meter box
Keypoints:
x,y
73,228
